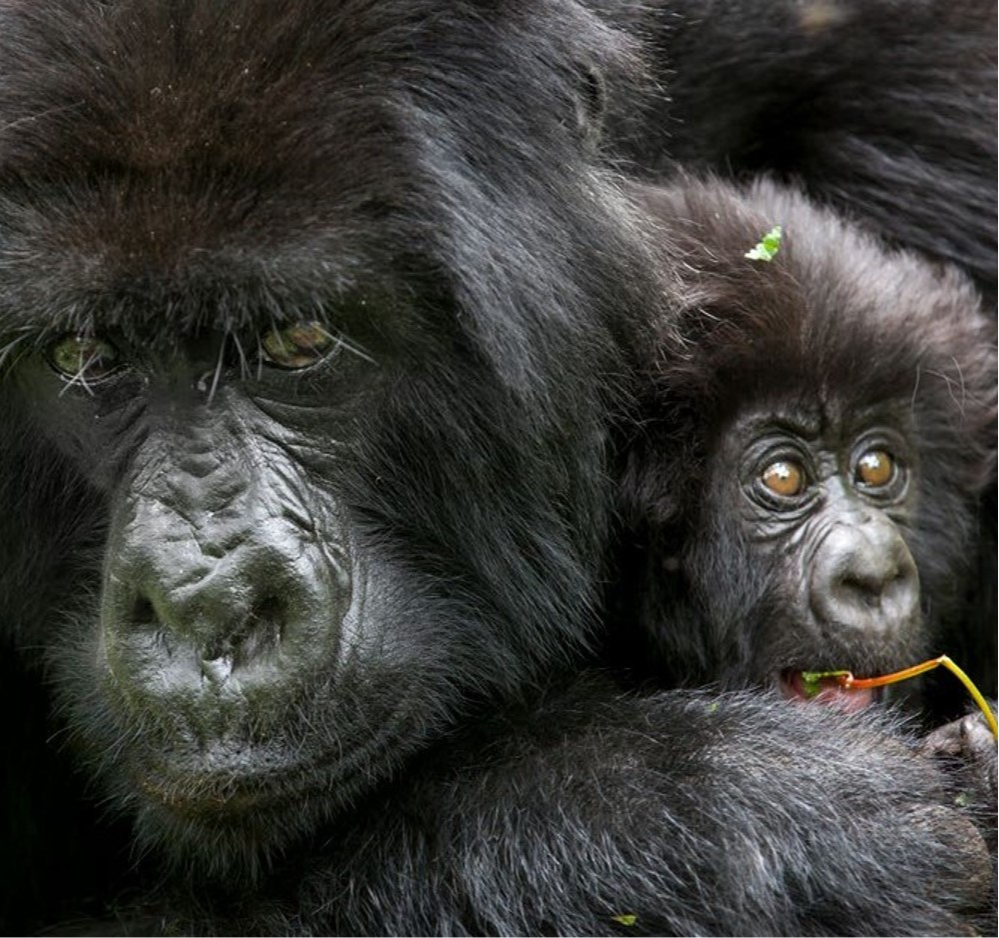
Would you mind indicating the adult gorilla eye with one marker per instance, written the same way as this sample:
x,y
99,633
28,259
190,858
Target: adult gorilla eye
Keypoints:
x,y
876,469
83,358
784,477
296,346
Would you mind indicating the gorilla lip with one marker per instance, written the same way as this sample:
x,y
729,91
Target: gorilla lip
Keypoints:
x,y
197,786
195,796
831,691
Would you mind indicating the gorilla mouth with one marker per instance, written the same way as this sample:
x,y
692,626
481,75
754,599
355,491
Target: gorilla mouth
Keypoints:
x,y
217,793
222,785
831,694
205,799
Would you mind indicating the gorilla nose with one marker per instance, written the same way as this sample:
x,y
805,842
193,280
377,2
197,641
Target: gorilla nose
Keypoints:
x,y
864,578
235,625
176,617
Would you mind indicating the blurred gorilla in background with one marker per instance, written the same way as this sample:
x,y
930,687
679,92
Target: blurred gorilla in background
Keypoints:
x,y
320,325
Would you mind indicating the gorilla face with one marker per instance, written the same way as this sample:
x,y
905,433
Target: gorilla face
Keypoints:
x,y
812,501
305,325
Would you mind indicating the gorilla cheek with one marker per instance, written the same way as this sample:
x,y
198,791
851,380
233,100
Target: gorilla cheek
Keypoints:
x,y
864,584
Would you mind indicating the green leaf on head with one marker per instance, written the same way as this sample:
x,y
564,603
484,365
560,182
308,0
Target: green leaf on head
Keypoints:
x,y
768,246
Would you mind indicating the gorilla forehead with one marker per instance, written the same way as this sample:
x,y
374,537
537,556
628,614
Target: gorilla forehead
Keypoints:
x,y
827,293
300,98
231,82
163,165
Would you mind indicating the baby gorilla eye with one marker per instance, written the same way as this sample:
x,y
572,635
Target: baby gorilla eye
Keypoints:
x,y
784,477
83,358
875,469
296,346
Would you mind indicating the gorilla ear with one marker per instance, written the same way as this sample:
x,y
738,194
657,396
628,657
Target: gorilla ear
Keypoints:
x,y
649,488
591,104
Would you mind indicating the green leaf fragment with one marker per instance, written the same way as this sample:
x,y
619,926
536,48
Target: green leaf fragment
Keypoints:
x,y
812,680
626,919
812,677
768,246
962,799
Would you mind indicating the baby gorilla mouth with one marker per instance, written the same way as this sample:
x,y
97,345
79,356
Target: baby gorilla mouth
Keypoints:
x,y
826,691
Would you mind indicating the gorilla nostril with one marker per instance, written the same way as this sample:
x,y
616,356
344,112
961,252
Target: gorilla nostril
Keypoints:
x,y
873,599
901,593
865,579
270,609
865,593
142,612
263,631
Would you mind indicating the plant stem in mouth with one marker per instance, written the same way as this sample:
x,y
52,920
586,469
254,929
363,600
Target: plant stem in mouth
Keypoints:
x,y
847,681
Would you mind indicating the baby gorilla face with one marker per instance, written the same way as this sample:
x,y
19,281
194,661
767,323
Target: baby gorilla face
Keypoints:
x,y
809,511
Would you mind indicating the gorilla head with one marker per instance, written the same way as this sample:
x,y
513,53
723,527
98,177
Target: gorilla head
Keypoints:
x,y
818,428
303,342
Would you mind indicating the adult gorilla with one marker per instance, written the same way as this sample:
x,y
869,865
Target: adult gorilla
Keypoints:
x,y
314,322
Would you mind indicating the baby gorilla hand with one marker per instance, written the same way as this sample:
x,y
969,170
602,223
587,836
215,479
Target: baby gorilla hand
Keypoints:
x,y
968,749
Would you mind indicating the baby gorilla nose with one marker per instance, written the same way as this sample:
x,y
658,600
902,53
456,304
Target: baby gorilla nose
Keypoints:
x,y
864,579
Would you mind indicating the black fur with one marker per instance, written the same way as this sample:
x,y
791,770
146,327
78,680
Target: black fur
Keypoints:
x,y
180,180
882,109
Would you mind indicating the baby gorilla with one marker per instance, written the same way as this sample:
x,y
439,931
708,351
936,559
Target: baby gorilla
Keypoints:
x,y
817,427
